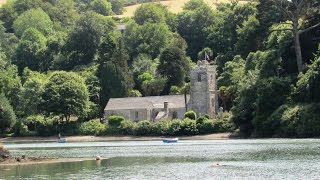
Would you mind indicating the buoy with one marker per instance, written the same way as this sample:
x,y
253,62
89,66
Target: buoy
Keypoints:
x,y
98,157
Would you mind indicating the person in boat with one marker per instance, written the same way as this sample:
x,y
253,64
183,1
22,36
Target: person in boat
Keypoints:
x,y
59,136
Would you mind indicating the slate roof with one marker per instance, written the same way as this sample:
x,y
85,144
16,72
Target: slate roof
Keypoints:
x,y
150,102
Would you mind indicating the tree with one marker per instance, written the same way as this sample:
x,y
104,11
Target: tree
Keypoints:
x,y
102,7
8,14
193,21
117,6
308,84
83,42
115,78
30,96
149,38
10,84
174,66
34,18
30,49
65,94
7,116
150,13
295,10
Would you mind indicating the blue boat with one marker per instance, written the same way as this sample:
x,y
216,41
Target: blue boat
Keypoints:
x,y
62,140
170,140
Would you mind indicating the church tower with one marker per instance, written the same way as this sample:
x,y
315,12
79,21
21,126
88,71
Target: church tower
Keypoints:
x,y
203,90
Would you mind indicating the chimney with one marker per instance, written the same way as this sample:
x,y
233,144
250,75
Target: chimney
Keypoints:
x,y
166,107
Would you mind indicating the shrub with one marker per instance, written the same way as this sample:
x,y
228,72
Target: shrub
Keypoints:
x,y
92,127
32,122
191,115
299,120
20,129
49,126
201,119
205,127
127,127
175,127
162,127
115,121
143,128
189,127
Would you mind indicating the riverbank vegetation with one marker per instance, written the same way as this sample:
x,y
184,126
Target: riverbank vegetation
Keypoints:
x,y
61,61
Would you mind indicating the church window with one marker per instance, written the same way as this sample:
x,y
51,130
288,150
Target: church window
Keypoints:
x,y
136,115
211,78
199,77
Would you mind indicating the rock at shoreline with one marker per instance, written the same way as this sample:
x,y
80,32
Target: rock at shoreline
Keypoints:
x,y
4,153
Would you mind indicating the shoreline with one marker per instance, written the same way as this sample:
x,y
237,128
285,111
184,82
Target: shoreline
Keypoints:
x,y
12,162
216,136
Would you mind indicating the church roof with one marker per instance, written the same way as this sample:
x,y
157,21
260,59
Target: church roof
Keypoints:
x,y
150,102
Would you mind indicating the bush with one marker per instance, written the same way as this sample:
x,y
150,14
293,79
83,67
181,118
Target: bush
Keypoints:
x,y
299,120
49,126
205,127
191,115
162,127
189,127
127,127
175,127
143,128
115,121
201,119
20,129
92,127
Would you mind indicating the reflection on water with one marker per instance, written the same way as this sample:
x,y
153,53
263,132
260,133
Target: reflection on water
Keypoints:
x,y
240,159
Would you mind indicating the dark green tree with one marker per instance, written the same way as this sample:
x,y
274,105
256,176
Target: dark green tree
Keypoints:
x,y
7,116
115,78
174,66
102,7
83,42
193,21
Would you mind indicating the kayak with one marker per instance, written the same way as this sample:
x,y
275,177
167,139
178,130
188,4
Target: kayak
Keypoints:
x,y
62,140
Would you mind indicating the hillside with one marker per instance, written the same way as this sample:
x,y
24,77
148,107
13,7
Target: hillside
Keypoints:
x,y
174,5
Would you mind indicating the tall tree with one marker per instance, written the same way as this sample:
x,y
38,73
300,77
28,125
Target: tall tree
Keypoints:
x,y
174,66
115,78
295,10
193,21
83,42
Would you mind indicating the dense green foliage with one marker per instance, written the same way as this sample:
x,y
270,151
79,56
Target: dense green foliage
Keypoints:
x,y
61,61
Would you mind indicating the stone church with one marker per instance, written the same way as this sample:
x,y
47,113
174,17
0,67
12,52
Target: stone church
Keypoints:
x,y
203,99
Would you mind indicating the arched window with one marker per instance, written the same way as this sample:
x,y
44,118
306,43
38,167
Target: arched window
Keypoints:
x,y
199,77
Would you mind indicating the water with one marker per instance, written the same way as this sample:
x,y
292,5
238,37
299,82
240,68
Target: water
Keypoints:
x,y
238,159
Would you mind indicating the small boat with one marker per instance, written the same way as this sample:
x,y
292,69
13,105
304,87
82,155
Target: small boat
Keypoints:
x,y
170,140
62,140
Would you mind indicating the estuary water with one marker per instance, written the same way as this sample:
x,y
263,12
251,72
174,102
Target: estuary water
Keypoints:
x,y
237,159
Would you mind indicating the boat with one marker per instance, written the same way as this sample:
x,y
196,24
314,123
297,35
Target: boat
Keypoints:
x,y
170,140
62,140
